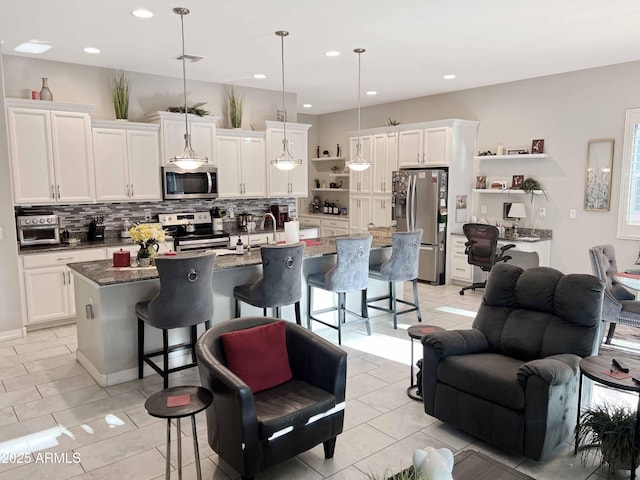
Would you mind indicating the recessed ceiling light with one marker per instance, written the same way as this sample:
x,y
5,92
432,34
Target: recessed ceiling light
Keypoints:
x,y
449,76
142,13
32,46
372,92
91,50
259,76
332,53
306,105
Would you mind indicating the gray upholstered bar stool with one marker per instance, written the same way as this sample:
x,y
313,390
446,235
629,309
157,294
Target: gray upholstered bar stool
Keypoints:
x,y
402,266
350,274
280,283
185,299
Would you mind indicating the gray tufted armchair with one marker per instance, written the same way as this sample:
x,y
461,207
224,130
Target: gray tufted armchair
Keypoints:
x,y
512,380
619,304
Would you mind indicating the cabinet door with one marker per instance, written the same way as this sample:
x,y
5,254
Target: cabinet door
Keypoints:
x,y
354,213
379,159
110,161
366,214
203,139
360,214
381,210
298,183
46,293
392,161
31,156
360,182
172,139
410,148
72,157
229,168
278,185
436,146
253,168
144,165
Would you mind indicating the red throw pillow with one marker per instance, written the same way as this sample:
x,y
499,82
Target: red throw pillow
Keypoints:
x,y
258,355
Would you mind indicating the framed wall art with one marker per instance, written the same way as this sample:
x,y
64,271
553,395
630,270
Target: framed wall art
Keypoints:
x,y
597,194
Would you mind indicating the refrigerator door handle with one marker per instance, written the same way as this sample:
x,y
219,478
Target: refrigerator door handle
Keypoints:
x,y
409,202
414,200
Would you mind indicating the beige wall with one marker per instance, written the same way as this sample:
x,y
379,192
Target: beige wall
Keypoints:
x,y
566,111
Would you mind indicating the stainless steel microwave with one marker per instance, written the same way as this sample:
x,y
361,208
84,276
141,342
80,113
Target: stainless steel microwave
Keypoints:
x,y
201,182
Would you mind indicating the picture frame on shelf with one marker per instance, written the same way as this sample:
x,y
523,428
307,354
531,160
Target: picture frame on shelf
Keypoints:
x,y
597,194
517,151
537,146
517,182
481,182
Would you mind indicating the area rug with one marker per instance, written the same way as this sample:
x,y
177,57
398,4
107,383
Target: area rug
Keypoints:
x,y
472,465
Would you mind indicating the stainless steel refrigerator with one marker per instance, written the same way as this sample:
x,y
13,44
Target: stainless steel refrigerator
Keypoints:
x,y
420,201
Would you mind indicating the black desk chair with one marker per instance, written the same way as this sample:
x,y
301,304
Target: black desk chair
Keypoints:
x,y
482,246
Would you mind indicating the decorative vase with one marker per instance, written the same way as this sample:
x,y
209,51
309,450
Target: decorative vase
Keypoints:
x,y
45,93
146,254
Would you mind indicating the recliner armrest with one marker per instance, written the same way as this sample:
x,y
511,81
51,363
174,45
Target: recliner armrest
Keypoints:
x,y
554,370
456,342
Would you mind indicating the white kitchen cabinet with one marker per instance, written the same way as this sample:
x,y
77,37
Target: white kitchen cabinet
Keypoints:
x,y
381,210
241,164
385,161
424,147
330,227
286,183
172,129
127,161
410,148
48,283
360,213
50,152
360,182
461,270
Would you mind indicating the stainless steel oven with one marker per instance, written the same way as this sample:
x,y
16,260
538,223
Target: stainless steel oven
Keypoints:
x,y
201,182
38,229
192,231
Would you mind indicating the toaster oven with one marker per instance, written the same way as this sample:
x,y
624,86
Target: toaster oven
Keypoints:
x,y
38,229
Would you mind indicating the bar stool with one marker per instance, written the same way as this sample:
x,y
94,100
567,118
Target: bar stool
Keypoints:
x,y
188,401
402,266
280,283
350,274
185,299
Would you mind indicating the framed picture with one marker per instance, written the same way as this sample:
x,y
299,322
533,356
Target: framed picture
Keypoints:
x,y
517,181
481,182
597,190
537,146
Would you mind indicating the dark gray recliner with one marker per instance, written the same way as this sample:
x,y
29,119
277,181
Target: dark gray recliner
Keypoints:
x,y
512,380
280,283
185,299
620,305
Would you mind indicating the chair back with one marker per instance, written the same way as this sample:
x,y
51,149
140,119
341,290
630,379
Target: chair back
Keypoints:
x,y
482,243
351,271
186,291
604,266
281,280
403,263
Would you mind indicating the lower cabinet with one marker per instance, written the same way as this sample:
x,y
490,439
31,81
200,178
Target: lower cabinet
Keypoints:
x,y
48,283
333,227
461,270
360,213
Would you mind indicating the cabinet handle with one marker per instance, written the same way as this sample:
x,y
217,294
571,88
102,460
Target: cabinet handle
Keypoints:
x,y
64,278
53,192
418,159
58,190
68,277
64,258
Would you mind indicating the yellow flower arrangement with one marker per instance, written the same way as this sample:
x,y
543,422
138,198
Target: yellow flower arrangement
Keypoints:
x,y
146,235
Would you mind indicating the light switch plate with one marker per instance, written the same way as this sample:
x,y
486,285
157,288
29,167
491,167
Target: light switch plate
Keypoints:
x,y
572,213
1,234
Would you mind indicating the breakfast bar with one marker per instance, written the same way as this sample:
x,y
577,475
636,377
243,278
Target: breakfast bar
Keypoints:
x,y
105,299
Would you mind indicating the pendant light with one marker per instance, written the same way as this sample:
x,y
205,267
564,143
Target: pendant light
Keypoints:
x,y
358,163
188,159
284,161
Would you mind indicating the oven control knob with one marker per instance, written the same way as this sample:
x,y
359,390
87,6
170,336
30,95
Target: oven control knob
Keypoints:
x,y
169,218
42,220
49,220
26,221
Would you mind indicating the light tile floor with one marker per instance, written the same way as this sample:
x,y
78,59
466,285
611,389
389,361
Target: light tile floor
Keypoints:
x,y
57,423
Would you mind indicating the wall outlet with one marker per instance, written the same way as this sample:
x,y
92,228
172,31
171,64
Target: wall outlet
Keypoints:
x,y
483,209
542,212
1,234
572,213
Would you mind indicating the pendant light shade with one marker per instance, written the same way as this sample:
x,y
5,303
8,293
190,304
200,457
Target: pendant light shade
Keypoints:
x,y
188,159
358,162
284,161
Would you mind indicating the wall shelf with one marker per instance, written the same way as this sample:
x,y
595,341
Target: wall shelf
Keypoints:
x,y
327,159
330,189
524,156
339,175
508,191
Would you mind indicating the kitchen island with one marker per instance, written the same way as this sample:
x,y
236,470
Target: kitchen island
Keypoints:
x,y
105,299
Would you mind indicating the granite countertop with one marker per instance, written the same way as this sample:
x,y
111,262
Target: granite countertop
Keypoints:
x,y
524,235
107,242
104,273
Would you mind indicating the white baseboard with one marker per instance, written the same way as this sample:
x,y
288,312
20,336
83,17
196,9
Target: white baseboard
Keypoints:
x,y
12,334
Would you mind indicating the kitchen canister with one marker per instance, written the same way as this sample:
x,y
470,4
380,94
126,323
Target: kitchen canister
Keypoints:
x,y
121,258
291,232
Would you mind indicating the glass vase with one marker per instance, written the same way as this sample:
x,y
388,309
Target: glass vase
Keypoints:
x,y
45,93
146,254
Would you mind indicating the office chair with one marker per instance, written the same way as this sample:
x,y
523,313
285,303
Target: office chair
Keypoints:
x,y
482,243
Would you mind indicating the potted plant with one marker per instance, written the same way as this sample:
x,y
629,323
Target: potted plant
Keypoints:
x,y
317,182
120,94
611,429
234,107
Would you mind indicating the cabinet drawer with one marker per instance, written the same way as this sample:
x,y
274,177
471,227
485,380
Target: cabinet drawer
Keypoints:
x,y
458,247
63,257
461,270
335,223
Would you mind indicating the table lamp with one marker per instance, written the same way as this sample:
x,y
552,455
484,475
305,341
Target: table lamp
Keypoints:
x,y
518,212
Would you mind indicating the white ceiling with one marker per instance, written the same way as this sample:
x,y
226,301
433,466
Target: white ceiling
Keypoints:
x,y
410,44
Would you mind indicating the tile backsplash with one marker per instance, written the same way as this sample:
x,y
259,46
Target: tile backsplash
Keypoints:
x,y
76,218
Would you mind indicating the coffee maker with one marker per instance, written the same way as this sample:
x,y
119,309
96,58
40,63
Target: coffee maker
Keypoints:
x,y
281,214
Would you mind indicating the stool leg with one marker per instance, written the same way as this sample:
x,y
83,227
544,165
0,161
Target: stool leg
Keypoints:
x,y
167,473
194,336
276,311
165,357
365,312
394,304
297,308
196,451
309,305
140,347
341,314
237,308
391,295
207,324
415,298
179,450
264,312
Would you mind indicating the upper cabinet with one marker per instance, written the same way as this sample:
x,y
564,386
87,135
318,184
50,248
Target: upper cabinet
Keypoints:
x,y
172,128
50,152
424,147
286,183
241,164
385,161
360,182
127,161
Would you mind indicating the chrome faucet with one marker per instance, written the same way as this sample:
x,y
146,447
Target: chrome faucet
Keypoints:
x,y
264,218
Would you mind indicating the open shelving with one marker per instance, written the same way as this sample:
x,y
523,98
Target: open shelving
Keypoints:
x,y
329,190
328,159
524,156
510,191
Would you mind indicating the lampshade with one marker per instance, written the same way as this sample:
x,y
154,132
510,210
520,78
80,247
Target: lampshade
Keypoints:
x,y
358,162
188,159
517,210
284,161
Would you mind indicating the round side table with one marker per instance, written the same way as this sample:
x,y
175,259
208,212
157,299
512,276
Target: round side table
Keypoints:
x,y
416,332
156,406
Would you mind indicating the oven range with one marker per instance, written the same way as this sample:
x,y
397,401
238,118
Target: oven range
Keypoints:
x,y
193,231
